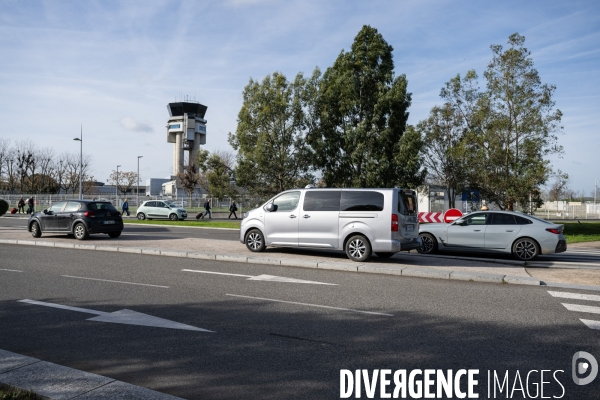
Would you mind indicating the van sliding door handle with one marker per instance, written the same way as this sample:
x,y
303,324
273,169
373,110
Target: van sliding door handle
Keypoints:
x,y
476,230
306,216
292,216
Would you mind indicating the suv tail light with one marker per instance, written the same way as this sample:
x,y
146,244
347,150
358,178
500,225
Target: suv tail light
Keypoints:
x,y
394,223
553,230
90,214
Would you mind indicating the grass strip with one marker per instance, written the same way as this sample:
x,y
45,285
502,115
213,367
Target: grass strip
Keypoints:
x,y
17,394
576,232
204,224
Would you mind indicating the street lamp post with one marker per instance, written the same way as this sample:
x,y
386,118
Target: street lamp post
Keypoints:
x,y
137,200
80,140
595,192
117,188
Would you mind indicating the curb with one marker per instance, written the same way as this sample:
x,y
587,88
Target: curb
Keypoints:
x,y
53,381
370,268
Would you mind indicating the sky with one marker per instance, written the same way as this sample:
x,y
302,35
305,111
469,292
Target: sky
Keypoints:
x,y
113,66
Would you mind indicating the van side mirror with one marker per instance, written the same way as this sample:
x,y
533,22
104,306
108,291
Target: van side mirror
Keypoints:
x,y
271,207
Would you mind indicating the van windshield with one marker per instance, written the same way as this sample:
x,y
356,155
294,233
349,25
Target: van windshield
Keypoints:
x,y
407,202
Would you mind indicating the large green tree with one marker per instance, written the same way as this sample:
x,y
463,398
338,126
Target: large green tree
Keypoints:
x,y
218,168
498,139
270,137
359,117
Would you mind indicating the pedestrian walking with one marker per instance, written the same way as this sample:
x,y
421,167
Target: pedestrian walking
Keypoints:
x,y
207,207
232,210
21,205
125,207
31,204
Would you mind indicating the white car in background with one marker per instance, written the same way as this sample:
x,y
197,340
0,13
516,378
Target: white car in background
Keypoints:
x,y
523,236
159,209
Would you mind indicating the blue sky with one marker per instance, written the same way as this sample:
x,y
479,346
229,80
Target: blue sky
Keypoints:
x,y
114,65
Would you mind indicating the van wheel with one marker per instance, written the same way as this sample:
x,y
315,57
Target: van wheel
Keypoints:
x,y
36,232
255,241
384,255
428,244
358,248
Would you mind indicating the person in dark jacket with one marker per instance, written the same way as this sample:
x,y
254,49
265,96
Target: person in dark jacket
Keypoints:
x,y
232,210
31,204
125,207
21,205
207,207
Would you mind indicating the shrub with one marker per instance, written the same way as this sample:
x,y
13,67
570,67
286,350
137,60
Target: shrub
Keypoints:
x,y
3,207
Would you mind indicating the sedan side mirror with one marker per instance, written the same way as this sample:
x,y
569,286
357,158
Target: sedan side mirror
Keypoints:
x,y
271,207
462,222
48,212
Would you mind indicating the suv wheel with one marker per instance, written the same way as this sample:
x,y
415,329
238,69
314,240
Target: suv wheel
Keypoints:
x,y
173,217
358,248
36,232
141,216
255,241
80,232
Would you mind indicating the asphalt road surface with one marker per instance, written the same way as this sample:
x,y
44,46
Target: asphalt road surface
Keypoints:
x,y
273,339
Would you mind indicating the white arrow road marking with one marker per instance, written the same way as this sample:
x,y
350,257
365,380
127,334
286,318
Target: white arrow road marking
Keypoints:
x,y
124,316
580,308
577,296
10,270
591,324
311,305
108,280
270,278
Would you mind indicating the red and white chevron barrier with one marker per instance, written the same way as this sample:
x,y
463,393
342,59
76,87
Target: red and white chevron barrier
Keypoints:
x,y
431,217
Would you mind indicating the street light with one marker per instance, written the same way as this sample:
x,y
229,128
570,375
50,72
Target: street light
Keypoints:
x,y
137,199
595,191
117,188
80,140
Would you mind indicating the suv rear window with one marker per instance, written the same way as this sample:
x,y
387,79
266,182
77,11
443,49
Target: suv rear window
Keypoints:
x,y
101,207
361,201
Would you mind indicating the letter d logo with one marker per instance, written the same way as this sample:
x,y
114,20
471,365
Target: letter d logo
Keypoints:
x,y
582,367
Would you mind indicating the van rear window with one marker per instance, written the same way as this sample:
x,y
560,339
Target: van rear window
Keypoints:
x,y
361,201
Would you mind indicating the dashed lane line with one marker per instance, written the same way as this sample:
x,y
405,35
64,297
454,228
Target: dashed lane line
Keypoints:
x,y
10,270
591,324
580,308
311,305
576,296
108,280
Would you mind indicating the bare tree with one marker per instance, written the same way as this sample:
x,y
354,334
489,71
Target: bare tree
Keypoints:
x,y
4,153
559,186
126,180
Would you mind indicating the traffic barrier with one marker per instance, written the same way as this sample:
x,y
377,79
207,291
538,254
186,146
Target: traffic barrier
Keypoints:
x,y
431,217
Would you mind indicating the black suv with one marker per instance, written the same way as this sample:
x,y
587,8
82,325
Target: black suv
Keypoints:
x,y
78,218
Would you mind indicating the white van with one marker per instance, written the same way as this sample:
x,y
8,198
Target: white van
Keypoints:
x,y
359,221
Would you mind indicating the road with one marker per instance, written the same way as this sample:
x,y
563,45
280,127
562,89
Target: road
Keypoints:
x,y
275,340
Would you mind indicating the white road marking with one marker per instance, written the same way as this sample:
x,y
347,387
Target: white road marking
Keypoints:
x,y
591,324
108,280
10,270
577,296
269,278
125,316
310,305
580,308
217,273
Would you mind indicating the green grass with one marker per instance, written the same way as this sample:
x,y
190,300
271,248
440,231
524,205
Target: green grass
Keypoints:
x,y
584,232
9,394
205,224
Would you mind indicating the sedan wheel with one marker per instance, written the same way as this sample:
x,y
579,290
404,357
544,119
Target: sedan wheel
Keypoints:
x,y
358,248
428,244
173,217
141,216
80,232
255,241
525,249
36,232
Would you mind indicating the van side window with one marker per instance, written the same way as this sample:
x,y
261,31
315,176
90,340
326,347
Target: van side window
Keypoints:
x,y
322,200
287,201
361,201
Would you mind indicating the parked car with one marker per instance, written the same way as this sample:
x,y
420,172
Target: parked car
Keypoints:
x,y
160,209
77,217
359,221
523,236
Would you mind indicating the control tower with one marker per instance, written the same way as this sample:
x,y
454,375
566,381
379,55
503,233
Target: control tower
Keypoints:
x,y
187,130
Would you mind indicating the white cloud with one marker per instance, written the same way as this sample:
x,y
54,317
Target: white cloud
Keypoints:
x,y
131,124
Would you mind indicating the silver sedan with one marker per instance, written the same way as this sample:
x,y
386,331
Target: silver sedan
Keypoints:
x,y
523,236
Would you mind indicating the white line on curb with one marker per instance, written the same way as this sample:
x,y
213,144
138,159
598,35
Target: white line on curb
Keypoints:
x,y
108,280
310,305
